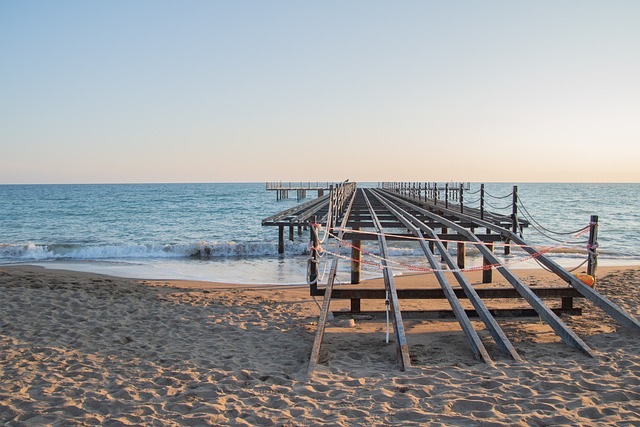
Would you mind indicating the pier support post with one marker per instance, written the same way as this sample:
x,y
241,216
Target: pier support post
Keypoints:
x,y
313,262
481,201
514,211
462,255
281,239
446,196
356,260
435,193
332,208
514,219
592,246
445,243
487,272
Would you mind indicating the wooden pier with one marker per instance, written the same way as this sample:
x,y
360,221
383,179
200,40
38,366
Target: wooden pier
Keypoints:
x,y
433,220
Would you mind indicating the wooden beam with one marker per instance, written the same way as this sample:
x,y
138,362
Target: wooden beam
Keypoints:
x,y
448,314
356,261
437,293
402,348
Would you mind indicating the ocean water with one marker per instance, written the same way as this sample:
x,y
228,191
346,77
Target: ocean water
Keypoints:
x,y
213,231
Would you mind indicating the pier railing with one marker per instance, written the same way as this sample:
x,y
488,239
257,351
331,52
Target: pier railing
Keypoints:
x,y
282,189
273,186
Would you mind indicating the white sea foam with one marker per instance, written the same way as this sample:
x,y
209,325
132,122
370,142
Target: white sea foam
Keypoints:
x,y
201,250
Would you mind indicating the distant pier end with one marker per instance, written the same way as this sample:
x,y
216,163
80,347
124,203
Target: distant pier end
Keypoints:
x,y
282,189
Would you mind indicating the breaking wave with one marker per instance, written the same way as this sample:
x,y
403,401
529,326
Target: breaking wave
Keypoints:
x,y
199,250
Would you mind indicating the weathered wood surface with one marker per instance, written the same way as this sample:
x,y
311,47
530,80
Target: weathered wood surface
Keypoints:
x,y
402,348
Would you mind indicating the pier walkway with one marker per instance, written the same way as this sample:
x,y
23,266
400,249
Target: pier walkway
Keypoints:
x,y
434,222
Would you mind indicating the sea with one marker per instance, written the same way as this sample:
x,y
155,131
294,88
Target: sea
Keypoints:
x,y
213,231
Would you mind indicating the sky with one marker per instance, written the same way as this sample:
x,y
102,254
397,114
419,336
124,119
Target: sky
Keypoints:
x,y
249,91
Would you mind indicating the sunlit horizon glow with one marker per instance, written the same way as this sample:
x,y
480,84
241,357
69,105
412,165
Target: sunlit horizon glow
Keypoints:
x,y
199,91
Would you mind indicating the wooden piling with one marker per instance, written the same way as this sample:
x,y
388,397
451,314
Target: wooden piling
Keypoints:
x,y
592,246
481,201
445,244
514,218
462,255
446,196
487,272
356,260
435,193
281,239
313,261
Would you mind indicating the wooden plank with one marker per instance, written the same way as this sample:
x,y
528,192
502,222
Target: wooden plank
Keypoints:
x,y
448,314
487,238
324,313
402,348
322,320
437,293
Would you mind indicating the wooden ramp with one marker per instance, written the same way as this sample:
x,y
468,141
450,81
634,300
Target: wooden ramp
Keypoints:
x,y
351,215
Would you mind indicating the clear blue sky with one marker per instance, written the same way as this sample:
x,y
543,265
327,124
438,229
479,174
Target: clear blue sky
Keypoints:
x,y
208,91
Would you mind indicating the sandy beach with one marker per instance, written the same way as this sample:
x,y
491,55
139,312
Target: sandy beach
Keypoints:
x,y
85,349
